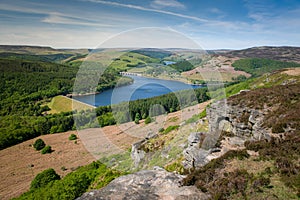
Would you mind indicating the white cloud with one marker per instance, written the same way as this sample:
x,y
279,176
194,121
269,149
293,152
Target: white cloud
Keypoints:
x,y
73,16
259,10
58,18
54,37
167,3
111,3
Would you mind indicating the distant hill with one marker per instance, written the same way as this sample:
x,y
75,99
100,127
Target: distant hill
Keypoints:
x,y
285,53
38,50
27,49
41,53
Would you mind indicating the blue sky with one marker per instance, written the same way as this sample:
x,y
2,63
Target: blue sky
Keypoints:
x,y
214,24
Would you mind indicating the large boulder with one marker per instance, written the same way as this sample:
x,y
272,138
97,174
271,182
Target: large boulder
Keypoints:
x,y
146,185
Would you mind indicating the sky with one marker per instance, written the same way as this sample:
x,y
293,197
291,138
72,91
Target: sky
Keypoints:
x,y
214,24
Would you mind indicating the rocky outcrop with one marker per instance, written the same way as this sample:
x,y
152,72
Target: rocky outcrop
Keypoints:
x,y
227,121
193,154
242,122
146,185
137,154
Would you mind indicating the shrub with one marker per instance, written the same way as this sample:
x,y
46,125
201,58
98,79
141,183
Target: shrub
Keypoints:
x,y
74,184
175,166
39,144
148,120
44,178
46,149
72,137
161,130
170,128
202,114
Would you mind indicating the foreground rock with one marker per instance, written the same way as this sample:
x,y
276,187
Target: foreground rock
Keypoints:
x,y
146,185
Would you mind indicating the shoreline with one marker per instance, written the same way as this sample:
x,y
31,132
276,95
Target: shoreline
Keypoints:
x,y
141,75
80,102
79,95
178,80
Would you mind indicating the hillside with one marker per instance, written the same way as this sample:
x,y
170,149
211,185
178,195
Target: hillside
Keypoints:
x,y
21,163
291,54
223,169
265,123
38,50
259,66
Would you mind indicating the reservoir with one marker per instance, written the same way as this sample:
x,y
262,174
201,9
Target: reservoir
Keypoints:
x,y
142,87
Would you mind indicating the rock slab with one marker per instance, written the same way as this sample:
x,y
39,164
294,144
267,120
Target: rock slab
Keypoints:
x,y
146,185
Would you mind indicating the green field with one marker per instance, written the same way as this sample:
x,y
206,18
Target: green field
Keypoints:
x,y
64,104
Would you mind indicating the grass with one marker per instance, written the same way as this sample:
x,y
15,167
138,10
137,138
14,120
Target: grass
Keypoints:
x,y
121,162
265,81
73,185
211,76
64,104
196,117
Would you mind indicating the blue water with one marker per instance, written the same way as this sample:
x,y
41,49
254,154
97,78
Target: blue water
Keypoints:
x,y
141,88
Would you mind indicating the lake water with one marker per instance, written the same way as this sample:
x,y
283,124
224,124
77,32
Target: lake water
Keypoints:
x,y
141,88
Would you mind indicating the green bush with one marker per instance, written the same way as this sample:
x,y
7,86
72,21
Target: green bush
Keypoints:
x,y
44,178
175,166
170,128
73,185
137,118
46,149
72,137
39,144
148,120
202,114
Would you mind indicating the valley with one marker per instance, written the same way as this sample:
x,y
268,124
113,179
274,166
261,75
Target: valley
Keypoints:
x,y
179,132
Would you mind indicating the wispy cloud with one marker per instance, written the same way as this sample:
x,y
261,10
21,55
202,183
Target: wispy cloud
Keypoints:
x,y
53,17
59,18
167,3
136,7
259,10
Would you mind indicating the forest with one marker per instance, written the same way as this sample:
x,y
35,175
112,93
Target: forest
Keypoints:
x,y
25,88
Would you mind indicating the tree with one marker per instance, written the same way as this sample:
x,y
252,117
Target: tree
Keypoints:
x,y
137,118
39,144
44,178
